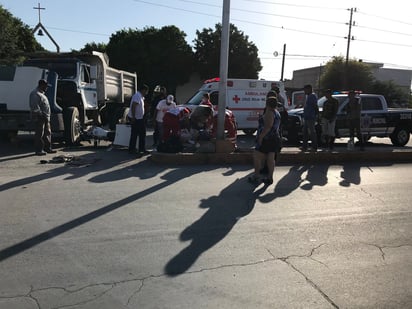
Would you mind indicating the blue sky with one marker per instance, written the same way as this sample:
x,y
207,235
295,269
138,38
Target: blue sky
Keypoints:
x,y
313,31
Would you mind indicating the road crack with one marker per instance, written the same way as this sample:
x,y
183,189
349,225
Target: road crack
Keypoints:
x,y
109,286
382,248
287,261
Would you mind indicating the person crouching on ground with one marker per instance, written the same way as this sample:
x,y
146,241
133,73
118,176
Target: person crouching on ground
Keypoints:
x,y
268,142
174,120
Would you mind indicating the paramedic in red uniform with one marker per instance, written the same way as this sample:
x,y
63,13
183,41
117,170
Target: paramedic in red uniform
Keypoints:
x,y
229,125
174,120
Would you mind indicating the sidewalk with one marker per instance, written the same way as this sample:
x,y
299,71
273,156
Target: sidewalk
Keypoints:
x,y
374,152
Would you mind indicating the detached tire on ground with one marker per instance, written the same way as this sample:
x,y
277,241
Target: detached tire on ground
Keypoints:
x,y
72,125
125,112
249,131
400,137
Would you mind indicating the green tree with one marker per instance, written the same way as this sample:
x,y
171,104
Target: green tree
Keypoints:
x,y
359,75
158,56
394,95
89,47
243,55
16,39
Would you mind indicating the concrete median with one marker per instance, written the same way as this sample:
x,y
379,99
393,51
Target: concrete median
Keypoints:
x,y
288,155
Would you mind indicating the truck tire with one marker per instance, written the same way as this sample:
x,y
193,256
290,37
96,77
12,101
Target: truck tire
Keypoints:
x,y
400,137
72,125
8,135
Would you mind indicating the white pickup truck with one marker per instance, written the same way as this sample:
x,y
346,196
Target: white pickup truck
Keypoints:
x,y
377,119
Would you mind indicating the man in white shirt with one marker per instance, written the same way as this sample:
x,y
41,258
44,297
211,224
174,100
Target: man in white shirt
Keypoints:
x,y
136,114
162,107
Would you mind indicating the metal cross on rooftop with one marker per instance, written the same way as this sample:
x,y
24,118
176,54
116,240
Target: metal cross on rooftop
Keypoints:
x,y
39,8
40,27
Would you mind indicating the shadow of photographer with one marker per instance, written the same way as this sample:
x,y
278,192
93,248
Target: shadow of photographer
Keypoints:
x,y
223,212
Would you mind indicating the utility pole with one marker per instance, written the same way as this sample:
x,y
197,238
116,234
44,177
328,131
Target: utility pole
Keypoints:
x,y
349,37
283,61
224,59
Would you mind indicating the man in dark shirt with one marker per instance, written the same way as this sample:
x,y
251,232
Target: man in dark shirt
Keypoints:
x,y
310,115
330,109
353,112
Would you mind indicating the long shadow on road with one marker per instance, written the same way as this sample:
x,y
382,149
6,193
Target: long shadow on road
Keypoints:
x,y
223,212
169,178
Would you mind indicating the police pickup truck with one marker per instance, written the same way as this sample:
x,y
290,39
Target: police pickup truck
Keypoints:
x,y
377,120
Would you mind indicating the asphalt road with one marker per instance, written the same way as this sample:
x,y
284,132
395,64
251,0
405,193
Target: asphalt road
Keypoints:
x,y
112,231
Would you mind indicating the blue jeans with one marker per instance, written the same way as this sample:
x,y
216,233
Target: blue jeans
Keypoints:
x,y
309,130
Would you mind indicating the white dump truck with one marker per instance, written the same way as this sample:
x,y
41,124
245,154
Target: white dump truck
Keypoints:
x,y
85,92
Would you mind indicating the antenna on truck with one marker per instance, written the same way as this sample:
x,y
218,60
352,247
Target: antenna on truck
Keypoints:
x,y
40,27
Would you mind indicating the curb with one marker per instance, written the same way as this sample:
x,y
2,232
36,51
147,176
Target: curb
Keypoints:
x,y
285,157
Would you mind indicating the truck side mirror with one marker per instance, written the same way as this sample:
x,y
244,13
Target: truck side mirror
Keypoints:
x,y
93,72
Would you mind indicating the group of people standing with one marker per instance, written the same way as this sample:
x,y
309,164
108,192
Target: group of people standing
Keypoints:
x,y
164,109
269,133
328,119
169,120
166,116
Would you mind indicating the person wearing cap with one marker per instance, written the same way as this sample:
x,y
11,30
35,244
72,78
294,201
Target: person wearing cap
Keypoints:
x,y
162,107
330,109
40,113
159,93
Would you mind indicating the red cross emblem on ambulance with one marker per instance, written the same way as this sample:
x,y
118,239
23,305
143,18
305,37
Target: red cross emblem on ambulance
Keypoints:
x,y
236,99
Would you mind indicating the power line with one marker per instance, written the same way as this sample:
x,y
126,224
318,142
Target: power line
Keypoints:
x,y
386,18
300,55
265,13
383,30
262,24
239,20
177,9
389,64
288,29
295,5
385,43
78,31
259,24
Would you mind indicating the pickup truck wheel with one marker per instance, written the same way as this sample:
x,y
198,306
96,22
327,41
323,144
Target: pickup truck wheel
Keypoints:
x,y
249,131
72,125
400,137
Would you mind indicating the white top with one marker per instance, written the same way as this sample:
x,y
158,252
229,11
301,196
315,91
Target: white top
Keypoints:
x,y
162,107
139,110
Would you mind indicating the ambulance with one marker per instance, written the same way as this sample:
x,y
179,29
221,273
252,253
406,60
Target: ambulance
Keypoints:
x,y
244,97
